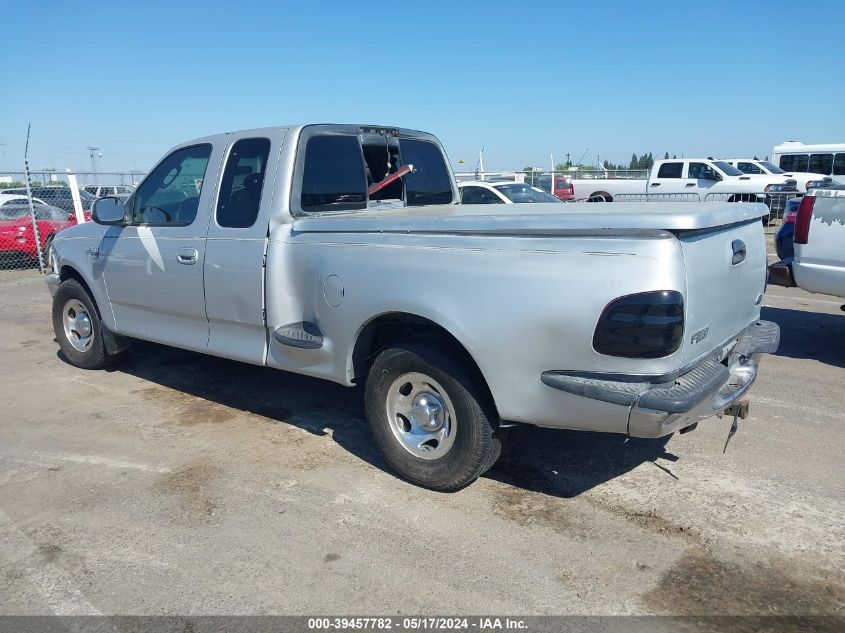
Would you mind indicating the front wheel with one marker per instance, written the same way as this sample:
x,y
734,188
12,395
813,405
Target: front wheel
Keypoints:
x,y
429,417
77,326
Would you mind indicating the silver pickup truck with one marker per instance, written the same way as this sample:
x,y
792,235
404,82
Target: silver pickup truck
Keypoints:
x,y
339,251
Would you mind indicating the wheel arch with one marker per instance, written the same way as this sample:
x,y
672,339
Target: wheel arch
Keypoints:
x,y
70,271
389,327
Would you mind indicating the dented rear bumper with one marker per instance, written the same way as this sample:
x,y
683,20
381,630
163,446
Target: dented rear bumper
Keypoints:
x,y
658,409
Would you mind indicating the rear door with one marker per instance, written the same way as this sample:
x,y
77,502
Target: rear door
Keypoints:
x,y
669,178
236,246
724,287
153,268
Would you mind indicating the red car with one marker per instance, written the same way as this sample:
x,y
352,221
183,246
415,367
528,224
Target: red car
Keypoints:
x,y
17,238
563,188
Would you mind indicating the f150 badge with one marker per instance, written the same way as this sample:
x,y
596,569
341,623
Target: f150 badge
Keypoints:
x,y
699,336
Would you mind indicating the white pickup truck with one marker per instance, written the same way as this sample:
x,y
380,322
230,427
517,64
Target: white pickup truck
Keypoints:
x,y
696,179
756,167
340,252
819,261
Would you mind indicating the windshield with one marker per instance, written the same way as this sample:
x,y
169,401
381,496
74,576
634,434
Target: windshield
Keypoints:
x,y
729,170
526,193
774,169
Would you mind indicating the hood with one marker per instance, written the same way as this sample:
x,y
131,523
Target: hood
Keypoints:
x,y
536,218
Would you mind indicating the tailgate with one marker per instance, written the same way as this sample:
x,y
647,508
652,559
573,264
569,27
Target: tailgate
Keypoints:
x,y
722,297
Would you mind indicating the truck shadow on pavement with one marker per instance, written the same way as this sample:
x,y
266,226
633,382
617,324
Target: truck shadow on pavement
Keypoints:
x,y
568,463
555,462
809,335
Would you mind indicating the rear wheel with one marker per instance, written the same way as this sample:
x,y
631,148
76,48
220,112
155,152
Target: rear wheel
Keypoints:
x,y
600,196
77,326
429,417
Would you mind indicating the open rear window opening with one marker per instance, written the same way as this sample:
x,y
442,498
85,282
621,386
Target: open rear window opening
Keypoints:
x,y
340,170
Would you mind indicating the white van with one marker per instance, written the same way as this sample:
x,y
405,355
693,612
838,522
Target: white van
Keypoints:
x,y
827,159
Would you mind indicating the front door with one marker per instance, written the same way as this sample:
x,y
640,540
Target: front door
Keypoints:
x,y
153,268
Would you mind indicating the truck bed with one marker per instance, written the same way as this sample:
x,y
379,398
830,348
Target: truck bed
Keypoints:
x,y
536,219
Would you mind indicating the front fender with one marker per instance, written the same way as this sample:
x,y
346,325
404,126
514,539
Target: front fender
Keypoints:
x,y
77,256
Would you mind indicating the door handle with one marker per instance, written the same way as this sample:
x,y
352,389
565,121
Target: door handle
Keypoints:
x,y
188,256
655,184
690,184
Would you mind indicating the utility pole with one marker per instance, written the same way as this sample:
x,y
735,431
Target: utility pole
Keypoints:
x,y
94,154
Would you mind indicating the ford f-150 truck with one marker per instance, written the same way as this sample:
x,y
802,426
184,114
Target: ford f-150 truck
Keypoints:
x,y
339,251
819,240
685,178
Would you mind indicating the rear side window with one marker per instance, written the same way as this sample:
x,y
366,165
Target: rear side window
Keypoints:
x,y
430,182
749,168
333,178
243,181
670,170
821,163
839,165
795,162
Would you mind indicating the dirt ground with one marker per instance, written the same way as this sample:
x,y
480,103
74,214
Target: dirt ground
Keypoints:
x,y
183,484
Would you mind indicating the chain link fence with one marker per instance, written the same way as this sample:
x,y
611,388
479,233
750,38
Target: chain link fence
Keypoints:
x,y
36,206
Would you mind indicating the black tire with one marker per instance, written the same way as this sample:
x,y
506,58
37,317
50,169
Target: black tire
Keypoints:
x,y
603,194
95,355
475,448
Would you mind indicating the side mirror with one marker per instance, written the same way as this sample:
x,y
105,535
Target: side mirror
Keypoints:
x,y
109,210
709,174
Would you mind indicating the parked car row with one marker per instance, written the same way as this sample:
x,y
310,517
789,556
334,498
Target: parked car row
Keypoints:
x,y
18,245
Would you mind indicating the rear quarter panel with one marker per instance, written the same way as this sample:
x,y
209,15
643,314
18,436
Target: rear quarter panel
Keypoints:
x,y
519,305
819,265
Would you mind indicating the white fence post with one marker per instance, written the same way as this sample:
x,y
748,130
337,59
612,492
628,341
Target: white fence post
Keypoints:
x,y
77,200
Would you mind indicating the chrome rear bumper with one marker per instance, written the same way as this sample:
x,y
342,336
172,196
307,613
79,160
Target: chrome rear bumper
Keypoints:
x,y
709,388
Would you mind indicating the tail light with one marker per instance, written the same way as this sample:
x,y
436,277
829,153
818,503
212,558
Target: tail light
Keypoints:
x,y
643,325
802,219
790,214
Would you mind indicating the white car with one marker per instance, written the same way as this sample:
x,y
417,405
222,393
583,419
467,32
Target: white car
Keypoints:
x,y
755,167
506,192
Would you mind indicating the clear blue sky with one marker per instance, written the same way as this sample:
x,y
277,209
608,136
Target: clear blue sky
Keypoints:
x,y
521,79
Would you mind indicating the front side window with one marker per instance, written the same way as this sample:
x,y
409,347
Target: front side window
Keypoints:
x,y
670,170
821,164
526,193
795,162
839,165
479,195
333,178
696,170
171,193
243,181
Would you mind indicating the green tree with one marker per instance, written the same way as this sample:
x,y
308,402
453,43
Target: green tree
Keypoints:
x,y
666,157
635,162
